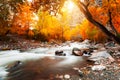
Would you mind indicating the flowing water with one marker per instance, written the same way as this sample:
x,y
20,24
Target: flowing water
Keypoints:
x,y
47,68
39,64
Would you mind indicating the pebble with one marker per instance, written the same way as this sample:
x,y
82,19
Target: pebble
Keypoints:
x,y
66,76
75,68
61,76
98,68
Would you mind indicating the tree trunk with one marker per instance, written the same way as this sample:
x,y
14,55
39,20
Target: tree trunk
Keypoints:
x,y
84,8
106,32
111,24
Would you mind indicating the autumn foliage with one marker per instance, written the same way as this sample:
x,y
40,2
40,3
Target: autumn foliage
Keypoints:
x,y
41,24
89,31
49,27
21,21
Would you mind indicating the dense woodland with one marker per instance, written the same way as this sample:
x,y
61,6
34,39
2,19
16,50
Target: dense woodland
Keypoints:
x,y
59,39
46,20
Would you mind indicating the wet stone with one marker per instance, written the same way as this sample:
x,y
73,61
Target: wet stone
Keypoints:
x,y
60,53
110,44
87,53
14,66
76,52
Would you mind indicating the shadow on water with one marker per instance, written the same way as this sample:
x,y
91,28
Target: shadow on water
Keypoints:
x,y
47,68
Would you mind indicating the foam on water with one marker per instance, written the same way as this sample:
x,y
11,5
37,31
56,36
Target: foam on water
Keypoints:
x,y
10,56
3,73
20,57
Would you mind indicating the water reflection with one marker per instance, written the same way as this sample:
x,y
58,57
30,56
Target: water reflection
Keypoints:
x,y
47,68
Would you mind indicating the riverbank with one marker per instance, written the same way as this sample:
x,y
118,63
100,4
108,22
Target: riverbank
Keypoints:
x,y
101,70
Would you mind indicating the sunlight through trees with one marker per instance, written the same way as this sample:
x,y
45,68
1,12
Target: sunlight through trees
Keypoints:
x,y
57,19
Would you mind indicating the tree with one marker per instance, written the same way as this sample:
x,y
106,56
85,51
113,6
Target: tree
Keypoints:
x,y
52,6
108,8
84,7
7,10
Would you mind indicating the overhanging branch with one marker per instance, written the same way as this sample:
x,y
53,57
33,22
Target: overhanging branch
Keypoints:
x,y
86,12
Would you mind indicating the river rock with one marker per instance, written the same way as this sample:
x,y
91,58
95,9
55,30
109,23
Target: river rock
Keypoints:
x,y
81,52
98,68
96,56
87,52
76,52
60,53
14,66
110,44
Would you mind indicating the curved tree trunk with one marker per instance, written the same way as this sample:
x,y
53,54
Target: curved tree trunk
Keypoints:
x,y
84,8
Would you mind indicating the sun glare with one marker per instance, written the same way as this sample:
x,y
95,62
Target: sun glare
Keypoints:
x,y
68,6
30,1
31,28
35,17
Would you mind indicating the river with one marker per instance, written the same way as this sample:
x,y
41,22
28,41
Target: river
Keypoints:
x,y
40,63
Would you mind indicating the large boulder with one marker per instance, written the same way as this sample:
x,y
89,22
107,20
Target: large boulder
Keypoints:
x,y
96,56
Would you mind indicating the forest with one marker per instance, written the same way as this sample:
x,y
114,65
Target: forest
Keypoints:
x,y
55,20
59,39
